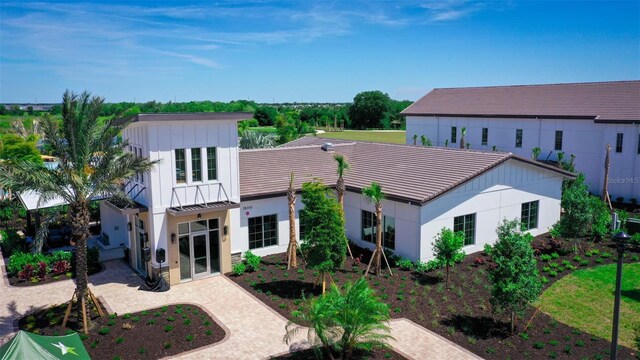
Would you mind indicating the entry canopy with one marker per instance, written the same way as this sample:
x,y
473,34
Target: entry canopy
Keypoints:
x,y
26,345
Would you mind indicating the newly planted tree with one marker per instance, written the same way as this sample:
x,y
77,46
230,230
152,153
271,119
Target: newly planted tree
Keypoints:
x,y
375,195
91,164
423,140
324,242
535,152
343,166
515,279
343,321
447,246
463,133
292,259
415,139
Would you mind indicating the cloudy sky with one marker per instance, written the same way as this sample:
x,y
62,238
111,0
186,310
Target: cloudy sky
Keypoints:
x,y
277,51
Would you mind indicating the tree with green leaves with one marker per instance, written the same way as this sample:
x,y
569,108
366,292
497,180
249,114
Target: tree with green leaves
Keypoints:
x,y
535,153
252,139
447,246
368,109
14,147
515,279
266,115
91,164
343,321
324,241
343,166
375,195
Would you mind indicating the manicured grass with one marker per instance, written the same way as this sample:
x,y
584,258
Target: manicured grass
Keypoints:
x,y
265,129
386,136
584,300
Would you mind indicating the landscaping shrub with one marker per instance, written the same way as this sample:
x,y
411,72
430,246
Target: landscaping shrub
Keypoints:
x,y
405,264
420,267
27,272
239,268
11,242
636,332
448,248
252,260
18,261
61,267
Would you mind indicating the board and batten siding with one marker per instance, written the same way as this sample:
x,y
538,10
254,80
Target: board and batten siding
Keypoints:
x,y
493,196
406,217
581,137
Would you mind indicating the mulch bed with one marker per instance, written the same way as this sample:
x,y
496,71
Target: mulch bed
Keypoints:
x,y
149,334
462,313
378,354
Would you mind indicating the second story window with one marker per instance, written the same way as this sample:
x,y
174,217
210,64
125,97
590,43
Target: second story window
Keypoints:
x,y
485,136
619,139
518,138
181,166
454,134
212,172
196,164
558,144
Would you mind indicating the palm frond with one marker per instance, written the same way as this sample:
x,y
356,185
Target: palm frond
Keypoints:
x,y
343,164
374,193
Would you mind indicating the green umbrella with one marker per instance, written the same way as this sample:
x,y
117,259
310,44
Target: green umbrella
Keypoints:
x,y
26,345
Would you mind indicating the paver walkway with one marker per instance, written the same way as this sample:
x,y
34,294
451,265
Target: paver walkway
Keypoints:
x,y
254,331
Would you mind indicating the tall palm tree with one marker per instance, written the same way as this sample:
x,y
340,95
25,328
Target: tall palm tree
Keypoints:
x,y
375,195
292,259
343,165
91,164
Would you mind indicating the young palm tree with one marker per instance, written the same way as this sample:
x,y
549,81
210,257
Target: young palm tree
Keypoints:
x,y
374,194
535,153
343,166
415,138
91,164
423,140
292,260
462,138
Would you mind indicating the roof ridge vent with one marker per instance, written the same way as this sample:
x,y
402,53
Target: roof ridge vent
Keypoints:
x,y
328,147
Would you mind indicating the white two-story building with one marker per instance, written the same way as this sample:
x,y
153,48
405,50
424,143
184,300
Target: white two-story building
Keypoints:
x,y
575,119
206,202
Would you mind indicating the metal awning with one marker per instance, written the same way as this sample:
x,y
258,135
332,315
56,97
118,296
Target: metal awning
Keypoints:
x,y
203,208
126,207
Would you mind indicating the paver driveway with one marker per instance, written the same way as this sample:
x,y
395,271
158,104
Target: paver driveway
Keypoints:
x,y
254,331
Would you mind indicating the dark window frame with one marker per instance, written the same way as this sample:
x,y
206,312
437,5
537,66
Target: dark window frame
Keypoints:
x,y
558,141
466,224
212,163
619,142
181,171
485,136
196,164
519,136
454,134
369,219
529,215
263,231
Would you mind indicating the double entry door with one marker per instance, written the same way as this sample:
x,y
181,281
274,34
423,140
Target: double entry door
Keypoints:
x,y
199,249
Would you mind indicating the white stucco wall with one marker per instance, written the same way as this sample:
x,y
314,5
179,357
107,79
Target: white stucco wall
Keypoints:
x,y
493,196
583,138
115,226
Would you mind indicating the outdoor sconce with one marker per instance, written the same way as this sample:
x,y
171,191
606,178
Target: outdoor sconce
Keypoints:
x,y
199,216
129,225
225,230
173,238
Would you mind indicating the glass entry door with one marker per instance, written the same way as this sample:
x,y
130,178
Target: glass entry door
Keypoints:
x,y
200,257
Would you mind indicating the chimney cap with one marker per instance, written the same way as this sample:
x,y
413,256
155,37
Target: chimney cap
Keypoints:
x,y
328,147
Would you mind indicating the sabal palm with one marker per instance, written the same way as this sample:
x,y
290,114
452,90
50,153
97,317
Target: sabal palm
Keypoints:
x,y
91,164
375,195
463,134
345,321
343,166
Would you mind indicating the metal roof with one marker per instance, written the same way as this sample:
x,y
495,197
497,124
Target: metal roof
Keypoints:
x,y
196,116
616,101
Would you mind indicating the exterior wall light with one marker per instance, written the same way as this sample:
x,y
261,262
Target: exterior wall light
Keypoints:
x,y
225,230
173,238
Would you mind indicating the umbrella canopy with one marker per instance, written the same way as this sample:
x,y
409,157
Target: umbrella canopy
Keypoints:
x,y
26,345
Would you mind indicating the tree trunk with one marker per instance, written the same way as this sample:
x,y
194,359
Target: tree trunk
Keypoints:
x,y
605,186
447,277
378,256
292,255
340,190
513,322
79,213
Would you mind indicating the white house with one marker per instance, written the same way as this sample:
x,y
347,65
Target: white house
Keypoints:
x,y
579,119
206,203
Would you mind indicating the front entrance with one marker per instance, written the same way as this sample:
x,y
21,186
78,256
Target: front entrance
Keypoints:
x,y
199,246
140,239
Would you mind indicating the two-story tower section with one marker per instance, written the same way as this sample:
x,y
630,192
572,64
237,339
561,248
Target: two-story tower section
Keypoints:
x,y
187,207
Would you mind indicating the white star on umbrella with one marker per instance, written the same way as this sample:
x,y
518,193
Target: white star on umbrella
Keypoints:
x,y
65,349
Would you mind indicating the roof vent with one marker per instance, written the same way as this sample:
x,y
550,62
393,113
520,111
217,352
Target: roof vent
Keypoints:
x,y
328,147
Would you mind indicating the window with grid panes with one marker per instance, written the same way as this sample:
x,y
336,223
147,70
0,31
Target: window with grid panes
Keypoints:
x,y
181,166
529,215
466,224
196,164
263,231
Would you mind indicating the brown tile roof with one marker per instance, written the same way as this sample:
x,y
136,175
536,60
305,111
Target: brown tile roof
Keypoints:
x,y
198,116
406,173
313,140
601,101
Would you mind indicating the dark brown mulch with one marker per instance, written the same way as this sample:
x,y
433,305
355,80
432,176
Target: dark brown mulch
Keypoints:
x,y
378,354
462,313
149,334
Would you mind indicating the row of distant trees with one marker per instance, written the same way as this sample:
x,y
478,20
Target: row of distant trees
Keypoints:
x,y
370,109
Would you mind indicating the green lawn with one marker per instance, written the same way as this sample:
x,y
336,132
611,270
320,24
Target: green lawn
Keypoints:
x,y
386,136
584,300
265,129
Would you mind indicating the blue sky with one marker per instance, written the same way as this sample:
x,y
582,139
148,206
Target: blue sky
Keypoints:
x,y
273,51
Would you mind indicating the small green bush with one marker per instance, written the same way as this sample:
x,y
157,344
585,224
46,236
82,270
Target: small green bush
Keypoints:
x,y
405,264
253,261
636,332
11,242
104,331
239,269
538,345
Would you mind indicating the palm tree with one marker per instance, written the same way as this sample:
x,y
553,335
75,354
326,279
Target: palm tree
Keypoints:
x,y
374,194
423,140
343,166
292,260
91,164
251,139
462,138
344,321
535,152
